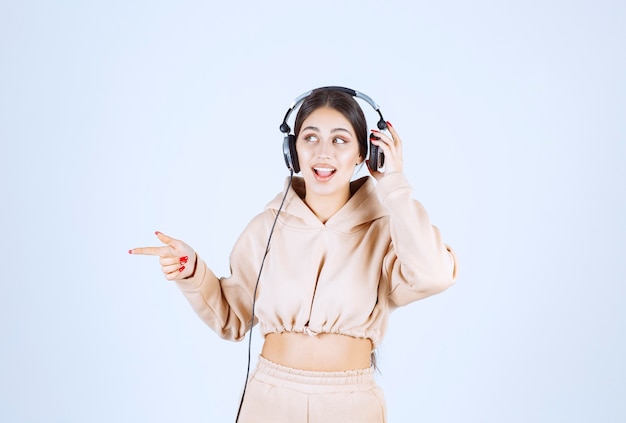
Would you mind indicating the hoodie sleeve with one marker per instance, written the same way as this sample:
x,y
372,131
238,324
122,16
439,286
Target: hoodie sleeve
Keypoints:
x,y
418,263
225,304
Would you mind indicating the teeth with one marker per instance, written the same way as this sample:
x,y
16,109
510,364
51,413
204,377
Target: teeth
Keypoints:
x,y
324,169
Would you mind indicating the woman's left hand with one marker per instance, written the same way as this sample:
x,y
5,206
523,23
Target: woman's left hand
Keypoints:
x,y
391,145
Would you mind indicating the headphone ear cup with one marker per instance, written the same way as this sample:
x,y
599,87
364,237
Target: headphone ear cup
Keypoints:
x,y
377,158
290,154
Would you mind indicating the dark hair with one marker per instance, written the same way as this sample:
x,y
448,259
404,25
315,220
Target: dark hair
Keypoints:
x,y
341,101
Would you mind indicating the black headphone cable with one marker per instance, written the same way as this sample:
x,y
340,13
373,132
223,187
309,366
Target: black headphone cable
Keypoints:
x,y
256,286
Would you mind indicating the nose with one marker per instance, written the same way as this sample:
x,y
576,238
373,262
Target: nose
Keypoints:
x,y
324,149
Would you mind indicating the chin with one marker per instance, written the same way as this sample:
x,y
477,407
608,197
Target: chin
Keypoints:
x,y
326,187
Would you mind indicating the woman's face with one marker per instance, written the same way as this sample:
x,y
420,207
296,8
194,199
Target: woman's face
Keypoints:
x,y
328,151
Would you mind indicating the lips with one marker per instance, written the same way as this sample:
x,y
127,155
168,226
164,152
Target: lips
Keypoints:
x,y
323,173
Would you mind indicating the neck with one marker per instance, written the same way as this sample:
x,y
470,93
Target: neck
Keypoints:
x,y
325,206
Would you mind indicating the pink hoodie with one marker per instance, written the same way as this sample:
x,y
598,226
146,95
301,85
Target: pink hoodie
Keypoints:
x,y
378,252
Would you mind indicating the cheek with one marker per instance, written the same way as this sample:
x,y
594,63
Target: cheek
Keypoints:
x,y
351,157
301,152
304,157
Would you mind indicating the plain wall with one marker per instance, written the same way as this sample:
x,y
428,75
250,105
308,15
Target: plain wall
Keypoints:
x,y
121,118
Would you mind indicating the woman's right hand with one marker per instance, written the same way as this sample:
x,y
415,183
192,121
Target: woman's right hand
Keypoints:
x,y
177,259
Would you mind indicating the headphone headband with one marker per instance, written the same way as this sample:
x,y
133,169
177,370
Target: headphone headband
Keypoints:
x,y
284,127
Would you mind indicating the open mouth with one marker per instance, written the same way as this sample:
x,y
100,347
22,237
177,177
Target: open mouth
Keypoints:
x,y
323,172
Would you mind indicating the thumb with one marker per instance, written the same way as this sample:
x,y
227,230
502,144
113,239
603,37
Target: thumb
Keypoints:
x,y
164,238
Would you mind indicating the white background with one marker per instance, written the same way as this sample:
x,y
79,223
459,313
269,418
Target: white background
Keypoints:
x,y
121,118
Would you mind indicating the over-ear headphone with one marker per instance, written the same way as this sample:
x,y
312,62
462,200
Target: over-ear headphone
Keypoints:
x,y
376,156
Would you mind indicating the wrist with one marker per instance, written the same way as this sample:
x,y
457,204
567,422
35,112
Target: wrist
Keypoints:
x,y
193,268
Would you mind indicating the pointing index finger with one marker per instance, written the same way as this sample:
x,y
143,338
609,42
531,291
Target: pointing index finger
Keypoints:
x,y
149,251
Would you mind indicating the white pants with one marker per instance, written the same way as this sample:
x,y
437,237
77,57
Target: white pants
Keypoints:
x,y
280,394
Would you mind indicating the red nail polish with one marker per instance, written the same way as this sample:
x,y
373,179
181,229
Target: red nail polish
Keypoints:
x,y
181,268
183,260
389,123
374,130
156,232
130,251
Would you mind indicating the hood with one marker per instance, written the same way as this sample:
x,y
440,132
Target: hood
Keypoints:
x,y
362,207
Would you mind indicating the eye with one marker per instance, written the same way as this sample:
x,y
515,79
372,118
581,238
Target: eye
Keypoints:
x,y
339,140
310,138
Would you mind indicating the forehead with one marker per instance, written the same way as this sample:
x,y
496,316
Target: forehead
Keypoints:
x,y
327,118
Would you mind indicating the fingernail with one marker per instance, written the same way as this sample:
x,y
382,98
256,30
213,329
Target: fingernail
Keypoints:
x,y
183,260
156,232
374,130
181,268
130,251
389,123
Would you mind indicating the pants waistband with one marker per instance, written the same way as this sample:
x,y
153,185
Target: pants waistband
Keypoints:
x,y
309,377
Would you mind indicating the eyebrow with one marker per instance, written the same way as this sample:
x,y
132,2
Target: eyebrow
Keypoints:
x,y
315,128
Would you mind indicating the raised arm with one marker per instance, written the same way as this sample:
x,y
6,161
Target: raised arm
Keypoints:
x,y
419,263
225,303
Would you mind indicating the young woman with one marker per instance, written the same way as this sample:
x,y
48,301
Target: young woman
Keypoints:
x,y
343,255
